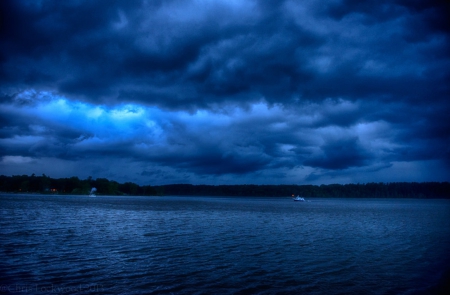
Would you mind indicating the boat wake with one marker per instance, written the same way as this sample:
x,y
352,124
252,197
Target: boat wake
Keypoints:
x,y
299,199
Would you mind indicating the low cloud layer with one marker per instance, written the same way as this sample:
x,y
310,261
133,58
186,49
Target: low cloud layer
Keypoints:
x,y
226,91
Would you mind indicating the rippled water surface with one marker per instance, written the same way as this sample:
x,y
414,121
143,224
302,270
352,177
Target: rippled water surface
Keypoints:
x,y
206,245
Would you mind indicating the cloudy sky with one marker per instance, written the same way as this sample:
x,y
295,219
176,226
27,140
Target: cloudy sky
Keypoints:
x,y
226,91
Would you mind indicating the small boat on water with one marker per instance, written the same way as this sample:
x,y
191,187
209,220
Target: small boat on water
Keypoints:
x,y
299,199
92,192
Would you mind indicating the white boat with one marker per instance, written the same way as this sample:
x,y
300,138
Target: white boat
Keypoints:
x,y
299,199
92,192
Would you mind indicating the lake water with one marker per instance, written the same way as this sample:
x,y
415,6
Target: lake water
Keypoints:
x,y
210,245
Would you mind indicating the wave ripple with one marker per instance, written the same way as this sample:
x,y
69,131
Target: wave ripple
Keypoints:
x,y
178,245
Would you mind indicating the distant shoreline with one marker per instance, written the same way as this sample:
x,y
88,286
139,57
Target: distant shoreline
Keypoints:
x,y
102,186
219,196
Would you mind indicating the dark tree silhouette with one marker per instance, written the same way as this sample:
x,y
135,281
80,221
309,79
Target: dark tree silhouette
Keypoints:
x,y
73,185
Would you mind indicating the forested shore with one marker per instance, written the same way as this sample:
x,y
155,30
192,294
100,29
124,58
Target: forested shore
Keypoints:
x,y
75,186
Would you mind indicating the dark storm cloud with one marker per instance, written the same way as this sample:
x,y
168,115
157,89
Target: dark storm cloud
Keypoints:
x,y
215,162
177,55
202,88
430,14
339,154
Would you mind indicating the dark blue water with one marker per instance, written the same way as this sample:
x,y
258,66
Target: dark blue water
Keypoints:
x,y
201,245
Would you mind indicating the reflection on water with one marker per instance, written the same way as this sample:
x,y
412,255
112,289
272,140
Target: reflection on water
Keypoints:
x,y
190,245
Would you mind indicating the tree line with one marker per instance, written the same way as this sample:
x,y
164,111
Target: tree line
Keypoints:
x,y
71,186
76,186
